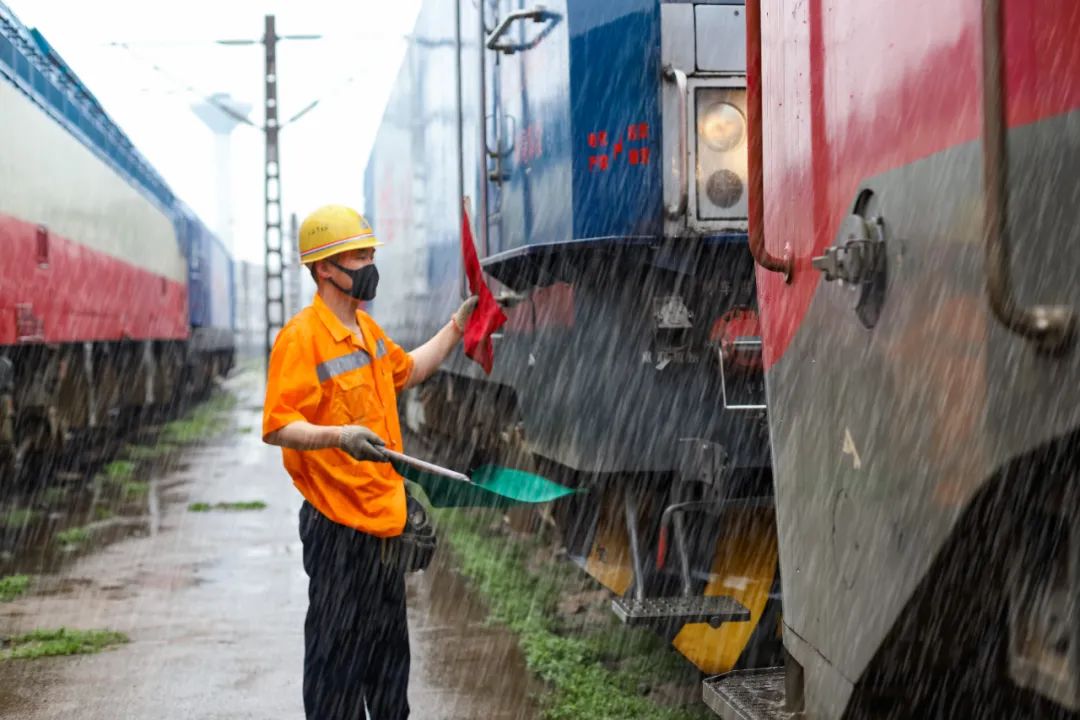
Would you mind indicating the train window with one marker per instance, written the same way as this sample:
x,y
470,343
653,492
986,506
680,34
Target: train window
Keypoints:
x,y
42,246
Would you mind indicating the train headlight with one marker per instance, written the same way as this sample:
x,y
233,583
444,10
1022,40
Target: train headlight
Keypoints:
x,y
721,147
724,188
722,127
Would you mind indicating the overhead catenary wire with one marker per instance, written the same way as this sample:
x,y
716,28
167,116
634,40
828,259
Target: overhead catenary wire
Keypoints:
x,y
183,84
314,103
353,37
211,100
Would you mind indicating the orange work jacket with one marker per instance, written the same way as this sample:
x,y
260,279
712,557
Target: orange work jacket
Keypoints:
x,y
323,373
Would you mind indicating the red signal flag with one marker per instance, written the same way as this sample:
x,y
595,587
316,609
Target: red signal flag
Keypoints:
x,y
488,316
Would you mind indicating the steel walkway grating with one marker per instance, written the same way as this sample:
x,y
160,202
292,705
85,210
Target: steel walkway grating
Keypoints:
x,y
714,610
748,695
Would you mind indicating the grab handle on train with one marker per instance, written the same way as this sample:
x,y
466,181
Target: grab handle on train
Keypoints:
x,y
1052,328
538,13
756,198
679,208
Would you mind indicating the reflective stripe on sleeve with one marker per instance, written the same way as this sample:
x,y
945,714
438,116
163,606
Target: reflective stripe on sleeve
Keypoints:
x,y
380,348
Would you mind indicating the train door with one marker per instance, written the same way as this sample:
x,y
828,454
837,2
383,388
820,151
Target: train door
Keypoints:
x,y
526,107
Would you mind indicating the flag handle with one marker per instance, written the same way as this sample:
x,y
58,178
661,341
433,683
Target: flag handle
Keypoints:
x,y
425,466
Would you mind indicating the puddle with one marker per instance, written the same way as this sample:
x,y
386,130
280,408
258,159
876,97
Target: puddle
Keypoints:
x,y
264,551
462,666
66,512
462,669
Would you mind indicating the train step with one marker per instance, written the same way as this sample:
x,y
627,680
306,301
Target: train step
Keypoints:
x,y
714,610
748,695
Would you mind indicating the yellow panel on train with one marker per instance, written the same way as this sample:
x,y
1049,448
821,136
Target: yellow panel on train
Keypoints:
x,y
744,568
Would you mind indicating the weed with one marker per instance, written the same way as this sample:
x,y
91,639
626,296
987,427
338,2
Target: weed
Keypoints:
x,y
19,517
204,421
64,641
119,469
230,506
181,432
596,674
102,512
73,536
143,453
13,586
135,489
54,496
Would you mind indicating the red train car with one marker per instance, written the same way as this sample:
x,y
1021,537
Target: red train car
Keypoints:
x,y
94,312
918,228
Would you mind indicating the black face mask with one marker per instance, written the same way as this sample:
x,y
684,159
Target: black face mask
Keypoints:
x,y
364,282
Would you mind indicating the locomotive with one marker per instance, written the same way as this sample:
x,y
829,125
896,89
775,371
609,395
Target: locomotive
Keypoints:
x,y
919,247
115,299
602,152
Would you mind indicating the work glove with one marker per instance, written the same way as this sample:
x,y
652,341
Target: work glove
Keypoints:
x,y
508,299
464,313
362,443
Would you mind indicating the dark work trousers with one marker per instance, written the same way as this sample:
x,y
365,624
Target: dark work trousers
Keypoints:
x,y
356,639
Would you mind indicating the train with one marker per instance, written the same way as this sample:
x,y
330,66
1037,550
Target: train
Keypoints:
x,y
115,298
776,307
603,163
918,251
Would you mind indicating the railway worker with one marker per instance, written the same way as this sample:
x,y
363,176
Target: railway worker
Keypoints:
x,y
331,404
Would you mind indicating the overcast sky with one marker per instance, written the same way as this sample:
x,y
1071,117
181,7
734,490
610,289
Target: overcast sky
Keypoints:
x,y
350,71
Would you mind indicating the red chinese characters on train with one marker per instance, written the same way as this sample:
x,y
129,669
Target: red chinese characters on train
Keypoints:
x,y
630,147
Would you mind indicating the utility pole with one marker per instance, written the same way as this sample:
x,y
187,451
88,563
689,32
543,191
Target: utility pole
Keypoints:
x,y
293,268
275,260
275,265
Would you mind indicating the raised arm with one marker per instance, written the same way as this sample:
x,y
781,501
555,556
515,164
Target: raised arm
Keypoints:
x,y
428,357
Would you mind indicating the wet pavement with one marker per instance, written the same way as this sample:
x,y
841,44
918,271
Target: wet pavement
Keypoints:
x,y
214,604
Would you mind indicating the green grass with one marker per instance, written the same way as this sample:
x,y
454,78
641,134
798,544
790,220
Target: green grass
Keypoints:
x,y
63,641
119,469
601,673
207,419
72,536
145,453
54,495
19,517
101,512
13,586
134,489
228,506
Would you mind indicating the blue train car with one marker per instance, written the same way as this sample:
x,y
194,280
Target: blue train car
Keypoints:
x,y
602,148
211,287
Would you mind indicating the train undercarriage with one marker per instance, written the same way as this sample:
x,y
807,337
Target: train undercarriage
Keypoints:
x,y
693,556
59,401
690,554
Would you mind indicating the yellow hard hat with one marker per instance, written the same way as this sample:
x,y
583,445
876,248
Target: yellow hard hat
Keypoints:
x,y
334,229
